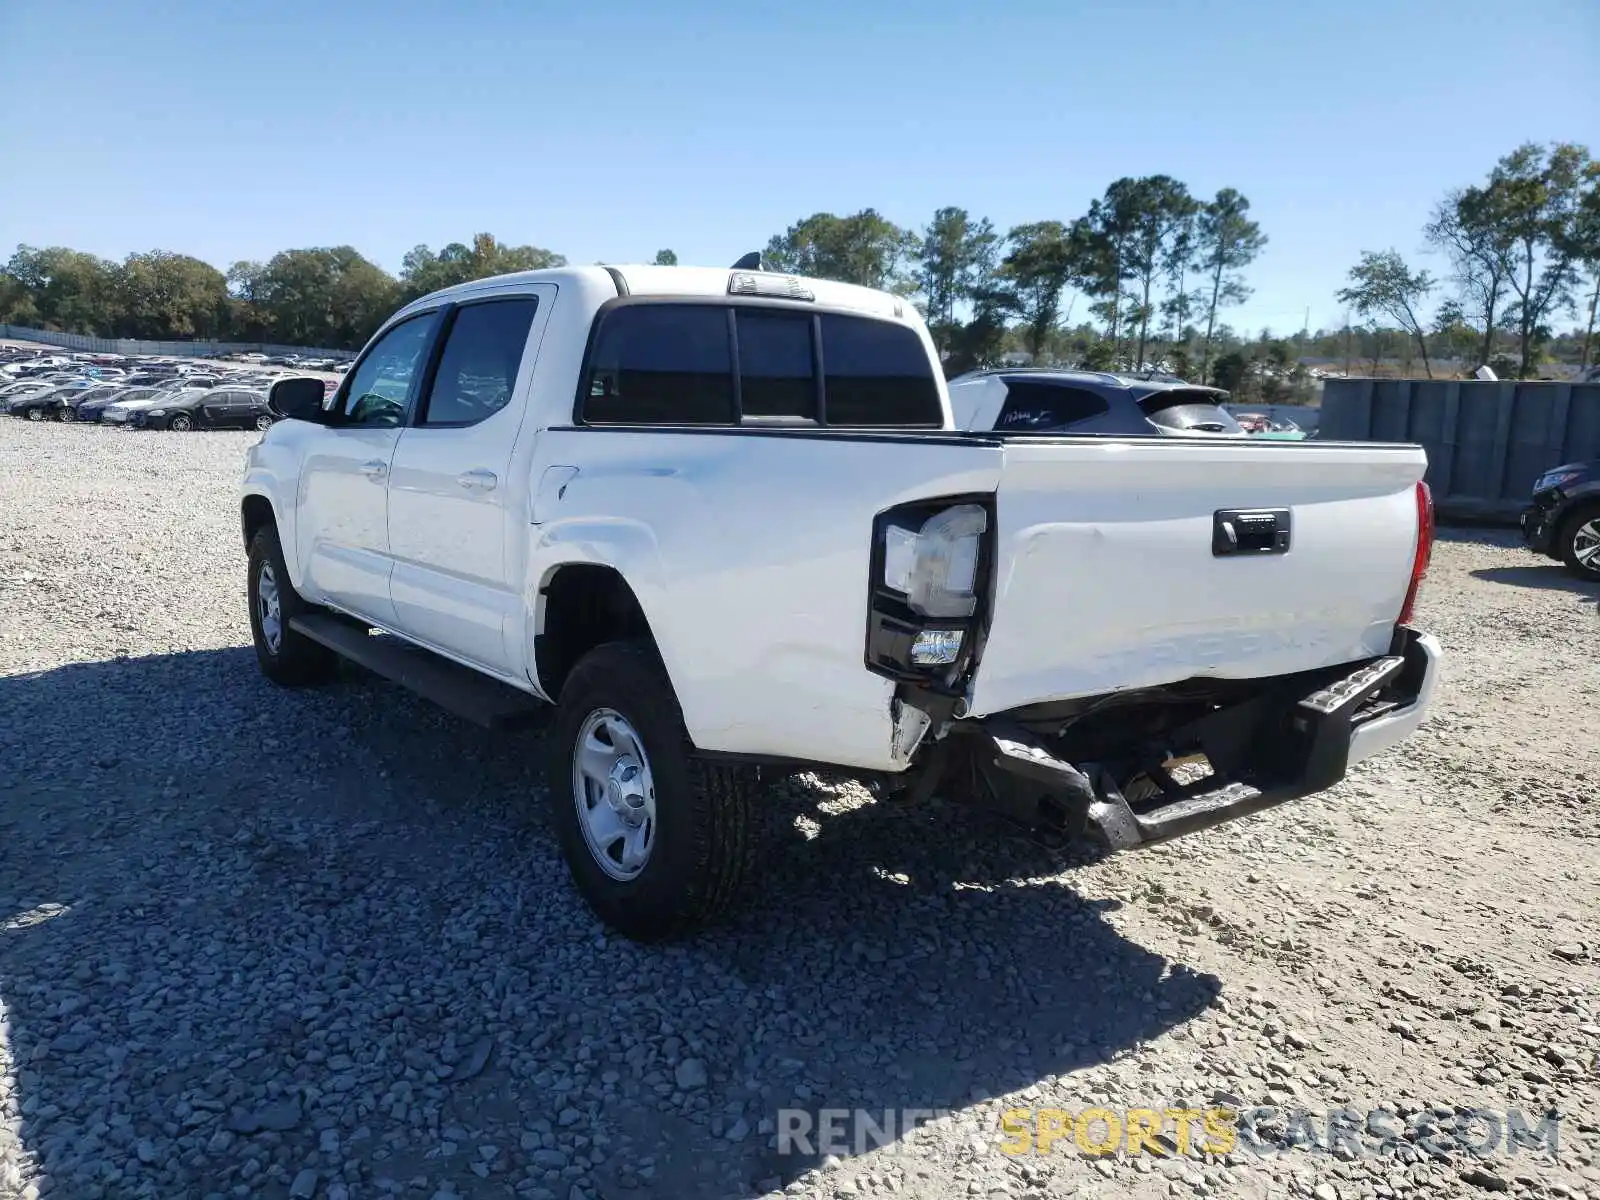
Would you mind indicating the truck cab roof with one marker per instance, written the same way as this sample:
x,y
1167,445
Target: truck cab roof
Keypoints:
x,y
707,283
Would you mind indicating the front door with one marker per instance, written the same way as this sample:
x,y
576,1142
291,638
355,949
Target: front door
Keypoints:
x,y
342,535
452,503
215,410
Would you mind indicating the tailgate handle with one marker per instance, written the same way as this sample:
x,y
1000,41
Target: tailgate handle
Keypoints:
x,y
1249,531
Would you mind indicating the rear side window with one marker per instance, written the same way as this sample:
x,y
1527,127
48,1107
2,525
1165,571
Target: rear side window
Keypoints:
x,y
478,368
661,364
876,373
1046,406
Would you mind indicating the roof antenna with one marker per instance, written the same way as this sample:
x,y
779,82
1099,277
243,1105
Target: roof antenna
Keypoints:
x,y
750,262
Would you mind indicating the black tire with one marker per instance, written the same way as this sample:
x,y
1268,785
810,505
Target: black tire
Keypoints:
x,y
703,841
1566,541
181,423
263,422
296,660
66,414
36,414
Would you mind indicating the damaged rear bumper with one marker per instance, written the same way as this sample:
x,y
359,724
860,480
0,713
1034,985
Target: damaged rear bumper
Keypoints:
x,y
1290,742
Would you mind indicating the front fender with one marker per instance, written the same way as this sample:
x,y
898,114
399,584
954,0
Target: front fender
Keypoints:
x,y
271,475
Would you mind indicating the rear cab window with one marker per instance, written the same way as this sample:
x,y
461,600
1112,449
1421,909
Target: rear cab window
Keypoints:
x,y
661,364
708,363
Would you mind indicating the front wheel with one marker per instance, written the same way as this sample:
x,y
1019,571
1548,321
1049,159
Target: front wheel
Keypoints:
x,y
66,413
657,840
182,423
1579,542
263,422
285,656
36,414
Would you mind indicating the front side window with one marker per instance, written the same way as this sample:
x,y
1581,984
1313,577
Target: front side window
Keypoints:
x,y
376,395
877,373
660,364
478,368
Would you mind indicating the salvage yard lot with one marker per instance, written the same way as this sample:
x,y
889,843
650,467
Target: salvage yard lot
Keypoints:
x,y
256,943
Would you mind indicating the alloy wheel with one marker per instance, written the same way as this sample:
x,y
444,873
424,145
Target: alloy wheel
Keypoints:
x,y
615,794
269,608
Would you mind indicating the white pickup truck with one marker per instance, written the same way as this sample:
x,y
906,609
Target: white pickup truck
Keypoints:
x,y
721,519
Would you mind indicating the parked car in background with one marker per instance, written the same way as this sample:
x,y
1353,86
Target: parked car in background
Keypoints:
x,y
1081,402
213,408
41,406
68,403
21,387
194,379
1562,520
91,410
1279,418
121,412
1280,431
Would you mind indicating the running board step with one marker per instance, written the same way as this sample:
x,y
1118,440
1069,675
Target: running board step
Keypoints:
x,y
460,690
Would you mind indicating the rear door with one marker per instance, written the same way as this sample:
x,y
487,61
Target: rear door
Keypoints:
x,y
252,405
452,502
1109,576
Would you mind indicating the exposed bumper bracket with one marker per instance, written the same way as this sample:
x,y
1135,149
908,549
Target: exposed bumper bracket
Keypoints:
x,y
1309,750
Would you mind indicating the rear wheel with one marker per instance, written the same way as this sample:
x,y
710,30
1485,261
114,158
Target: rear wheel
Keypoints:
x,y
36,414
66,413
1578,543
285,656
181,423
657,840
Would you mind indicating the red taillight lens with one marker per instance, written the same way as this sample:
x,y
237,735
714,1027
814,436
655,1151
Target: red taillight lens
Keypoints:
x,y
1419,564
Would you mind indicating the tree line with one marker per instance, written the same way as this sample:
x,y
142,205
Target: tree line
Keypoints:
x,y
1155,267
1522,249
328,297
1156,264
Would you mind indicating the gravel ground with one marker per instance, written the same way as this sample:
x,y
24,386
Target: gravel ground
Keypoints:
x,y
263,943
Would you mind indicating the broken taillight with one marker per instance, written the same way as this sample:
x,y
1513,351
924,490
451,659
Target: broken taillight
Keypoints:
x,y
1419,563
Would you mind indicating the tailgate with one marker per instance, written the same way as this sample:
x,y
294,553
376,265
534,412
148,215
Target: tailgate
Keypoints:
x,y
1106,578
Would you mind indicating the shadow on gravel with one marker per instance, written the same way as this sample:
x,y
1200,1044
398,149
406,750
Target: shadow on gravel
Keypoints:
x,y
248,933
1488,533
1553,577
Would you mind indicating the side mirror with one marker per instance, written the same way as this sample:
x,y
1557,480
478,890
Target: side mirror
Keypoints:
x,y
299,398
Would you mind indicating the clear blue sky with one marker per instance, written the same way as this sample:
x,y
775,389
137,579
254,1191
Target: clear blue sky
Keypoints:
x,y
231,130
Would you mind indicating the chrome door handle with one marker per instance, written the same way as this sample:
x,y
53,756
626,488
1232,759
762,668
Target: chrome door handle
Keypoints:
x,y
376,469
478,480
